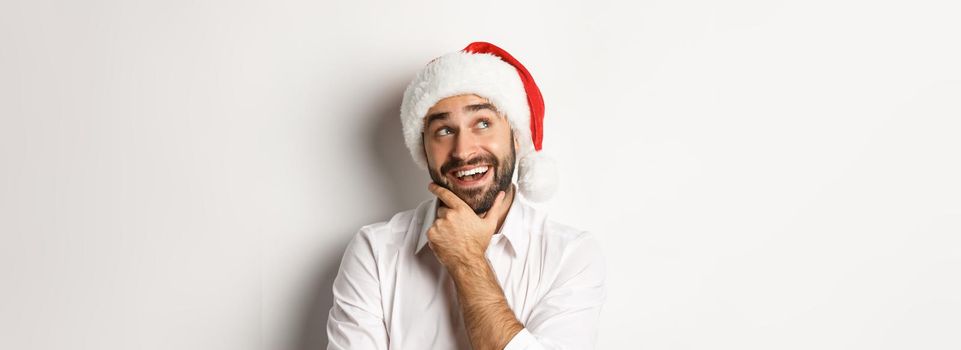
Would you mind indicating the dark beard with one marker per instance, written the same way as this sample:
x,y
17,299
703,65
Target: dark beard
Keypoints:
x,y
479,200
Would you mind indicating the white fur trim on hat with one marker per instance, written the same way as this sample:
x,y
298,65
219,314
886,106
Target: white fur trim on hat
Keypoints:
x,y
537,176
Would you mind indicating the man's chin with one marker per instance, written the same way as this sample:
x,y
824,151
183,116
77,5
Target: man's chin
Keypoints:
x,y
472,196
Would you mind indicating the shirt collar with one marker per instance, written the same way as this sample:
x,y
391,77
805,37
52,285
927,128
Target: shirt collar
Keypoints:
x,y
512,228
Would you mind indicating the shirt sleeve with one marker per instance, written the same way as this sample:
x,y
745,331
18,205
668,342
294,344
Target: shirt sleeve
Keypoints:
x,y
566,317
356,320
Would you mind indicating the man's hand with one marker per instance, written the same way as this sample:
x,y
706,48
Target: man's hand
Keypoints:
x,y
459,237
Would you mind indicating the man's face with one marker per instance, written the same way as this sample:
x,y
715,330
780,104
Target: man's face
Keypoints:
x,y
470,149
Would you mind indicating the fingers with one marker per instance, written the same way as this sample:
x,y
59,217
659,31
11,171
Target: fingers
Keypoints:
x,y
446,196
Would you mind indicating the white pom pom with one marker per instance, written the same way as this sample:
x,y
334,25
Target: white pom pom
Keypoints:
x,y
537,176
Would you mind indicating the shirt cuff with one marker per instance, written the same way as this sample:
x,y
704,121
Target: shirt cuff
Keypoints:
x,y
523,340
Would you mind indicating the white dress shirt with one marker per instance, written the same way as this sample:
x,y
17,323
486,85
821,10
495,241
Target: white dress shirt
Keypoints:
x,y
392,293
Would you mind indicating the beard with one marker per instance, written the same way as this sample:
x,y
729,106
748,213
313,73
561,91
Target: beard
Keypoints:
x,y
479,199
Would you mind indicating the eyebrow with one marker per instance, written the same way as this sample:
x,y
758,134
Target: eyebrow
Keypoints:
x,y
469,108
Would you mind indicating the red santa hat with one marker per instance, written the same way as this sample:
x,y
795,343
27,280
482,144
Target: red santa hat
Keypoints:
x,y
488,71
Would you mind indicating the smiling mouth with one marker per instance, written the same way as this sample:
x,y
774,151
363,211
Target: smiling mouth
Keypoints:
x,y
469,176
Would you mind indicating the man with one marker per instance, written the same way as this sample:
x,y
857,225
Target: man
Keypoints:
x,y
496,272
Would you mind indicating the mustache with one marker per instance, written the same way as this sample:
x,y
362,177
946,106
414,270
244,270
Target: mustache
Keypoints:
x,y
456,163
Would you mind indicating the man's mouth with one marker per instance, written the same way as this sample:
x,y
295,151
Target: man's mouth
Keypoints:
x,y
470,176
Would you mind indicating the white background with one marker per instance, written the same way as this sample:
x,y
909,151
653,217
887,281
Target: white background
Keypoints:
x,y
761,174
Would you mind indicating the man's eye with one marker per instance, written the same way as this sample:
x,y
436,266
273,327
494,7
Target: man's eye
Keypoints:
x,y
484,124
443,131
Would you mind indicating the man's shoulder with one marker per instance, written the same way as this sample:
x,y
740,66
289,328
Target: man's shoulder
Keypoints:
x,y
550,228
557,235
567,250
562,231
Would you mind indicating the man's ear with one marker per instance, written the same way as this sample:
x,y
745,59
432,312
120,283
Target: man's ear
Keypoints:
x,y
517,144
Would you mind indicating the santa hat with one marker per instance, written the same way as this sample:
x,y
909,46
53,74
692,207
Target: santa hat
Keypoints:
x,y
490,72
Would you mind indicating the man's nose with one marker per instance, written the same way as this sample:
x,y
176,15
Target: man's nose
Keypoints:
x,y
465,147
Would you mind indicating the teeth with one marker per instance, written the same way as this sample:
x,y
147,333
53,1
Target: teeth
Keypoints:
x,y
476,170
